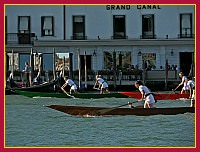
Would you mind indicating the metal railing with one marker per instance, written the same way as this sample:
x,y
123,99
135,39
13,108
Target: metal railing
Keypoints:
x,y
19,38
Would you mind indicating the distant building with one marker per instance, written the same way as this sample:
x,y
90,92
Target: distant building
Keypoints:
x,y
141,35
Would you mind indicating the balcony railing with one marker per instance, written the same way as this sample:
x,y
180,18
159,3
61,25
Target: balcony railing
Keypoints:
x,y
185,35
75,37
11,38
119,35
147,36
19,38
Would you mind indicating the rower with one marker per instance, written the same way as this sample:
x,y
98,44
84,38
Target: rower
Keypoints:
x,y
185,86
70,83
146,94
103,86
191,86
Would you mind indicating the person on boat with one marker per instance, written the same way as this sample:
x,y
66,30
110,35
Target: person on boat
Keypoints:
x,y
27,71
70,83
191,86
183,82
103,86
146,94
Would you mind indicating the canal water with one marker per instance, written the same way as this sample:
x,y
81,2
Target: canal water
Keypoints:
x,y
29,123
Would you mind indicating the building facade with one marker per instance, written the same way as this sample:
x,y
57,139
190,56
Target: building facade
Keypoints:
x,y
141,36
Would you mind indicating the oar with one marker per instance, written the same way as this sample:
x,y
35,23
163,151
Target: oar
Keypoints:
x,y
96,88
173,91
67,93
100,112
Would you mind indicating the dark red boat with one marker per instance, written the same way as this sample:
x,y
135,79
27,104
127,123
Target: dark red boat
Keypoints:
x,y
116,111
158,96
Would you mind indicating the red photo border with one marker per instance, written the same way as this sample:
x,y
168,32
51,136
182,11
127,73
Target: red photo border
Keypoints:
x,y
49,149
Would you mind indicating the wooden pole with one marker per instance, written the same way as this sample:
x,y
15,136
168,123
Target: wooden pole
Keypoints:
x,y
12,63
85,59
31,67
54,74
40,66
70,65
166,74
6,69
63,66
79,68
143,71
114,69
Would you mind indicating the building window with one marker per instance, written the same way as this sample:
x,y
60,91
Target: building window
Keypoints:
x,y
24,36
119,27
78,28
185,25
24,24
123,60
148,26
47,26
149,61
15,61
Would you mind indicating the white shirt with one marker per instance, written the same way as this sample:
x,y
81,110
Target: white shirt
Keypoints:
x,y
149,98
144,88
70,82
183,80
100,80
190,83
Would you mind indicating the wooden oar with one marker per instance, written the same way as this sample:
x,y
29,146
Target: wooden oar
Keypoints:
x,y
67,93
173,90
103,111
167,97
96,88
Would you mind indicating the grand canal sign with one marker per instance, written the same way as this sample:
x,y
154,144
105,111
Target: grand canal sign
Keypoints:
x,y
128,7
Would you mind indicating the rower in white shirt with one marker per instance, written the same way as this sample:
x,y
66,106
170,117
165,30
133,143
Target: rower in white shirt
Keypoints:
x,y
191,86
146,94
185,86
103,86
70,83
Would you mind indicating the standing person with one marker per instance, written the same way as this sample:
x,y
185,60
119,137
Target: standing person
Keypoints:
x,y
183,82
191,86
27,71
103,86
146,94
70,83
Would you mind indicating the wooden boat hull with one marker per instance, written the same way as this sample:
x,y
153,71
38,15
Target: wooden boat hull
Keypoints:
x,y
44,87
136,95
63,95
9,92
159,96
96,111
31,94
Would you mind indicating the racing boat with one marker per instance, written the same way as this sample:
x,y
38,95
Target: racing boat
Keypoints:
x,y
137,95
158,96
63,95
117,111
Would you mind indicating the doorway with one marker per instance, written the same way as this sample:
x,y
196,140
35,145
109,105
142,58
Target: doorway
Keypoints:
x,y
88,62
186,63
